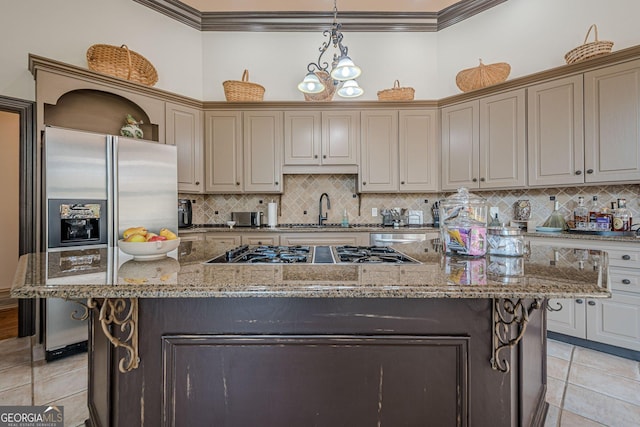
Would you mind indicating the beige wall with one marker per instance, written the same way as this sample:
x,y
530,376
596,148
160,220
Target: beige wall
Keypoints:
x,y
9,196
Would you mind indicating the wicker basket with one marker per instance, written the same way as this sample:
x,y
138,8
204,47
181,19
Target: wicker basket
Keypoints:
x,y
396,93
482,76
589,50
327,93
244,90
121,62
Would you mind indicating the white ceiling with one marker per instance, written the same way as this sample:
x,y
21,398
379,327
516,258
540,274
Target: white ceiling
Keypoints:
x,y
319,5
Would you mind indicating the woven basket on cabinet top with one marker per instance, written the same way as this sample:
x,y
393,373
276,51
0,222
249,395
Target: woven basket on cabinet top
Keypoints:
x,y
121,62
396,93
589,50
244,90
482,76
327,93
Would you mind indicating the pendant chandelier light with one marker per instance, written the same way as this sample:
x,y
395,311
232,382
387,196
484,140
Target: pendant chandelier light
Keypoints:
x,y
343,70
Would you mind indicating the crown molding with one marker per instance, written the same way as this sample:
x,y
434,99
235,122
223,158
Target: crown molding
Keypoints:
x,y
318,21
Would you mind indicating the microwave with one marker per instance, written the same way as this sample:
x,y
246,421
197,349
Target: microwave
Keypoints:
x,y
247,219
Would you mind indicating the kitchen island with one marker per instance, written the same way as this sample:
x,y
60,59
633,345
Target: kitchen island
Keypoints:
x,y
447,341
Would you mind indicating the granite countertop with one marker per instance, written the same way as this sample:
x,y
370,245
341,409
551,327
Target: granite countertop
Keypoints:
x,y
304,228
107,272
378,228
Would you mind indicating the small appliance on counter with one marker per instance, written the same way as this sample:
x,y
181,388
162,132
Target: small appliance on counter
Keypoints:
x,y
247,219
185,213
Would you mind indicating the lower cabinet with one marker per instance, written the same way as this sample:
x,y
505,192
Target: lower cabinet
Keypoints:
x,y
218,243
272,239
613,321
328,238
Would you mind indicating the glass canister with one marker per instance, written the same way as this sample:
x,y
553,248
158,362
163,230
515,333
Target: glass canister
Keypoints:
x,y
505,241
463,219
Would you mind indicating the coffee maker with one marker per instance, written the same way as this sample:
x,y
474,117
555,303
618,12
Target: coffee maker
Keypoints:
x,y
185,213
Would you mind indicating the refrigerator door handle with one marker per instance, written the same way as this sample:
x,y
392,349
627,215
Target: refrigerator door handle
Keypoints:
x,y
112,185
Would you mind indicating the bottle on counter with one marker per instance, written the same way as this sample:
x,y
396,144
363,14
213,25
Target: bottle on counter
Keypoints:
x,y
581,215
594,208
621,217
345,219
604,219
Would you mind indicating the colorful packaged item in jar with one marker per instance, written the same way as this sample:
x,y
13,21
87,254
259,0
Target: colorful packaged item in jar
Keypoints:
x,y
465,236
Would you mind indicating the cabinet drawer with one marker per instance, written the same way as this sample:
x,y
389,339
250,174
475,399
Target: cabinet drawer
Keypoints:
x,y
624,258
260,239
625,279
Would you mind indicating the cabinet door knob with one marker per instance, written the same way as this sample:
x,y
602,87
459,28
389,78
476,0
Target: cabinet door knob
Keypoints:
x,y
237,183
626,281
475,180
324,156
402,182
578,172
364,183
626,257
589,171
197,182
276,182
315,156
481,179
579,301
591,303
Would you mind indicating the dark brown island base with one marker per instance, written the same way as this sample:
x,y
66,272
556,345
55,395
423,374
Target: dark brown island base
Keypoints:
x,y
443,342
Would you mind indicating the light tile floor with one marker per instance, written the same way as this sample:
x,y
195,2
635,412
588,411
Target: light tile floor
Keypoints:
x,y
588,388
585,387
29,380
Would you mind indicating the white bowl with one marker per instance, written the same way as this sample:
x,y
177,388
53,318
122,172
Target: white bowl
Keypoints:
x,y
231,223
146,251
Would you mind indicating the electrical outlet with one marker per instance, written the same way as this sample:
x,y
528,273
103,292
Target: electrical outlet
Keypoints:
x,y
374,211
493,211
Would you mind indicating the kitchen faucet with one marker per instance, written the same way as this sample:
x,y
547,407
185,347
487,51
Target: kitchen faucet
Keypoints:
x,y
320,216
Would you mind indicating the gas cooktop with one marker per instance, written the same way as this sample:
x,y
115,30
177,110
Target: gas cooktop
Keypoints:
x,y
271,254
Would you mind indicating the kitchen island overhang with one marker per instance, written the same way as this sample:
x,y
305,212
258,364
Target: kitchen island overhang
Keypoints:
x,y
488,336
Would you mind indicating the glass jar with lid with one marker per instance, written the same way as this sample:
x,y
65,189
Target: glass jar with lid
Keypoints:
x,y
505,241
463,218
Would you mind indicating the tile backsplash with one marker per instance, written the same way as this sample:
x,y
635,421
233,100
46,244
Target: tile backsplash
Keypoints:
x,y
299,201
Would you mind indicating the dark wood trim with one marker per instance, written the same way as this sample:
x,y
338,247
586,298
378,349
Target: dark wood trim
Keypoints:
x,y
319,21
26,111
462,10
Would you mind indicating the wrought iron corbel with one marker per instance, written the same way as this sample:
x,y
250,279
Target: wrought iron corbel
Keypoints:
x,y
116,311
508,314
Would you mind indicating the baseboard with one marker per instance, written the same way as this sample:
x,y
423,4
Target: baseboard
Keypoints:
x,y
605,348
6,302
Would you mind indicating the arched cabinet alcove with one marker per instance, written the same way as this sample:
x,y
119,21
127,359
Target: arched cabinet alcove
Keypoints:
x,y
97,111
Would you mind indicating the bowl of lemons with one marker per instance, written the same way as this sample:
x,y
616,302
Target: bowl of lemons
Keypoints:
x,y
145,245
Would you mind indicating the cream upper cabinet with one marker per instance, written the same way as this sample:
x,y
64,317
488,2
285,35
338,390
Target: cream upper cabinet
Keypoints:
x,y
398,151
184,130
460,145
379,151
302,137
555,132
484,142
223,152
418,150
503,140
612,123
243,151
262,151
321,138
340,137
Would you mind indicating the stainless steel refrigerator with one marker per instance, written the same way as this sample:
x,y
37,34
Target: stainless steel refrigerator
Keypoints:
x,y
95,187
